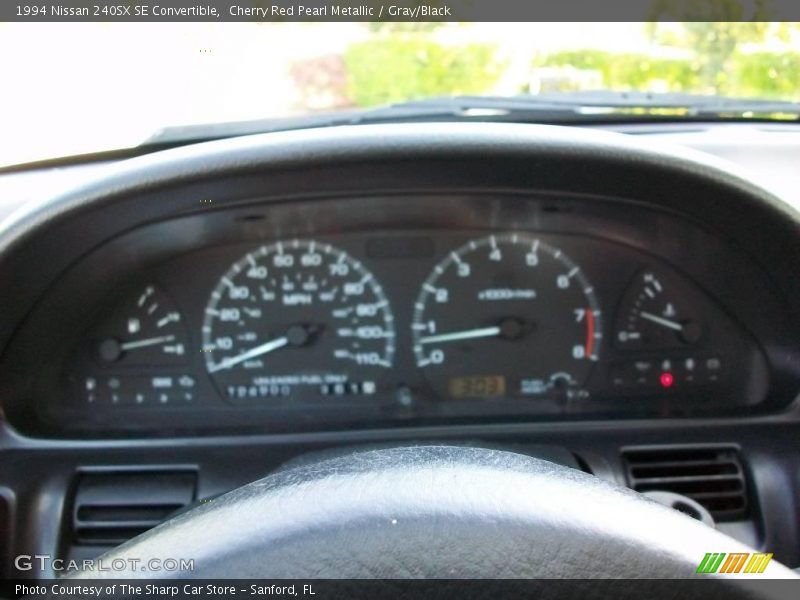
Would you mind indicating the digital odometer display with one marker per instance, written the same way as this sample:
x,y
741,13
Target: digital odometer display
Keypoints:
x,y
296,319
513,306
478,386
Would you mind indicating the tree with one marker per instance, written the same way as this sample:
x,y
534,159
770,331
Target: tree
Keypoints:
x,y
713,30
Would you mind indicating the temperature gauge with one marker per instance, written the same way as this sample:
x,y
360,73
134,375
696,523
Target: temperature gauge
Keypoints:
x,y
653,315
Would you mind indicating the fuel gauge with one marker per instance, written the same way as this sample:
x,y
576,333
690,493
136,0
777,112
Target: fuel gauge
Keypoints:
x,y
653,315
144,330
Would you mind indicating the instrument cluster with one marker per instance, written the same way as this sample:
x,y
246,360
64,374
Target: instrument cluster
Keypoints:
x,y
412,324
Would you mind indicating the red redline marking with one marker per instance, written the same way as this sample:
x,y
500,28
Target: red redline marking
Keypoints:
x,y
589,348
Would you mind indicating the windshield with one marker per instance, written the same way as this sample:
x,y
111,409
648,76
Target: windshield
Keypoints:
x,y
87,87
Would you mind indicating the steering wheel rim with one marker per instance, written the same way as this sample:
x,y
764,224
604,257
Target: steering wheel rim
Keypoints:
x,y
431,512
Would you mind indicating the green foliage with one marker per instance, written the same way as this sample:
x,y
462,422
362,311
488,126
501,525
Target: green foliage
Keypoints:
x,y
403,26
714,45
406,61
629,71
768,75
763,74
396,68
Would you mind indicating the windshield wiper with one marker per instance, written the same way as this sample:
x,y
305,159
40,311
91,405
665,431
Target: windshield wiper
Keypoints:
x,y
557,108
690,105
577,104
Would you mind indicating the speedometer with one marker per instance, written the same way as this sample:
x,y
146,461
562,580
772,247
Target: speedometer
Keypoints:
x,y
507,316
297,319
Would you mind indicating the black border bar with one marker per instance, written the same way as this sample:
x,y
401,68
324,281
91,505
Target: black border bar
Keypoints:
x,y
705,588
277,11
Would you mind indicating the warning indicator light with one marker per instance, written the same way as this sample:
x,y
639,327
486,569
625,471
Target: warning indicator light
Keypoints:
x,y
666,380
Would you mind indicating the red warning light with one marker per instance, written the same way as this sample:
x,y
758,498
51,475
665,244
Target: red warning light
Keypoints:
x,y
666,380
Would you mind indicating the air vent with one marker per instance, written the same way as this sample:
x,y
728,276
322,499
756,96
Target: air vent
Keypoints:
x,y
712,476
111,507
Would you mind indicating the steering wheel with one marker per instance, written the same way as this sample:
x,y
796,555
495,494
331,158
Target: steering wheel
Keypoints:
x,y
433,512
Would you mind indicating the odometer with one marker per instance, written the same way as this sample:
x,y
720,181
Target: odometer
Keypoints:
x,y
297,319
507,315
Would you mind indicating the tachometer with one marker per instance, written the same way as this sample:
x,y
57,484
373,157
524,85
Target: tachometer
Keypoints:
x,y
507,315
297,319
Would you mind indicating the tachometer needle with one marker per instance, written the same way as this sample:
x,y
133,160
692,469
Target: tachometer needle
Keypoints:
x,y
148,342
467,334
265,348
661,321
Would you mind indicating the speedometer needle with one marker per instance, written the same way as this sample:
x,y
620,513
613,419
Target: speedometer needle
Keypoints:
x,y
264,348
467,334
661,321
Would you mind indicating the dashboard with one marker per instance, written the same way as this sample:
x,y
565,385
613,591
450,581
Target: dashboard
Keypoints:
x,y
203,316
327,281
